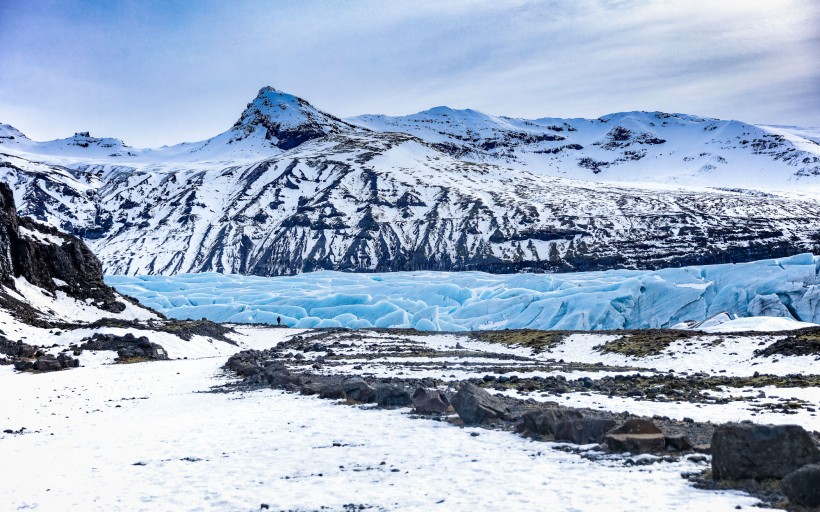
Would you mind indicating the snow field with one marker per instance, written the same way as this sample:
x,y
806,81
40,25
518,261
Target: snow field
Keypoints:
x,y
144,437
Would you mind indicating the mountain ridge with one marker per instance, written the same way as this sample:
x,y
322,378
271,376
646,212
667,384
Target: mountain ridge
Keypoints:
x,y
290,189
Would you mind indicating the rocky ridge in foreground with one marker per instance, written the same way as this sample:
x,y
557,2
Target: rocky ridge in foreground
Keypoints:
x,y
354,366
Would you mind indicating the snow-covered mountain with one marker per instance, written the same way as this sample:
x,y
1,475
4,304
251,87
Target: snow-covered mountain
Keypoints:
x,y
289,189
627,146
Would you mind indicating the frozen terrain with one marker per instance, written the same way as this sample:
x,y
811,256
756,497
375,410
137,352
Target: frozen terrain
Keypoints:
x,y
292,189
620,299
624,146
144,436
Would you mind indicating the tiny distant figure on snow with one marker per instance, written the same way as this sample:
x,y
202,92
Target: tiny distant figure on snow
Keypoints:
x,y
278,320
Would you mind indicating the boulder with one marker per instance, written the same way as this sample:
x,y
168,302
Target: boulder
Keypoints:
x,y
311,388
279,378
583,430
23,365
637,426
332,391
430,401
802,487
392,396
746,450
129,346
636,435
66,361
16,348
679,443
545,421
47,363
474,405
635,443
242,368
357,390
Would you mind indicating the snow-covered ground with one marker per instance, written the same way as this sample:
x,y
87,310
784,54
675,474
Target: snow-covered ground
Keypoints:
x,y
61,307
146,436
578,356
455,301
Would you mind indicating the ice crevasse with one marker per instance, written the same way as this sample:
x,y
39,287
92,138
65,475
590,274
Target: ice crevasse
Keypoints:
x,y
457,301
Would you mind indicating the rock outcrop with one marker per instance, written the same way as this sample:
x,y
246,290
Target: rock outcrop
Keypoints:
x,y
49,259
802,487
745,450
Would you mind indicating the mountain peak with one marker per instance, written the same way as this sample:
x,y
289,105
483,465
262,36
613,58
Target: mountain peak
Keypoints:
x,y
10,133
284,120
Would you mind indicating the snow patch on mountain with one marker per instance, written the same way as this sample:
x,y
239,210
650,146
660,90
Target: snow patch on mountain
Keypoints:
x,y
623,147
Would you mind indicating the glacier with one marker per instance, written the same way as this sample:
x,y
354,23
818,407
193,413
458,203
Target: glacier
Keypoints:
x,y
458,301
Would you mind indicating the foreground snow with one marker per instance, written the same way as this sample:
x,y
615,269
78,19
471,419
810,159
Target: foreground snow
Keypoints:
x,y
454,301
144,437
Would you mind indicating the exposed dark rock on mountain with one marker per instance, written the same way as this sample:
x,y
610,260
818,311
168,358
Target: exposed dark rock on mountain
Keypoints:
x,y
291,189
49,259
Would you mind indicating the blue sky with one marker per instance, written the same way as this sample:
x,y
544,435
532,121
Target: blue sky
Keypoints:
x,y
163,72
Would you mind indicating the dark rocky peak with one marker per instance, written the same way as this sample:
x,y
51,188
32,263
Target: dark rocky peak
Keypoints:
x,y
285,120
49,259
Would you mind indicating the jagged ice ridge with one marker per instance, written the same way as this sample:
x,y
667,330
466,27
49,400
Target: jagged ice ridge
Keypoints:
x,y
448,301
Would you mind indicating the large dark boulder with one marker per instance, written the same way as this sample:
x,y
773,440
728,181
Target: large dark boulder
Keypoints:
x,y
474,405
130,347
636,435
22,366
47,363
802,487
280,378
332,391
744,450
545,422
357,390
430,401
583,430
16,348
392,396
66,361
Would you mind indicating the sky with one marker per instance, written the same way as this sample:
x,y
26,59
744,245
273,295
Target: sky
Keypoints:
x,y
168,71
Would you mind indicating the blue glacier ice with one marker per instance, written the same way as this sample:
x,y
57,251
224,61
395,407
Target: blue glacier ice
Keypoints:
x,y
457,301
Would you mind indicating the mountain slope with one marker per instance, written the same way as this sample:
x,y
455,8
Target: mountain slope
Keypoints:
x,y
47,276
391,202
291,189
628,146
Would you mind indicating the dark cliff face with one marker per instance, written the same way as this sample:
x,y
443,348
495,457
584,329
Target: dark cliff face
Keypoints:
x,y
49,259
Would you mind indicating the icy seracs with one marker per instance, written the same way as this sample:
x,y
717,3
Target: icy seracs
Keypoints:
x,y
455,301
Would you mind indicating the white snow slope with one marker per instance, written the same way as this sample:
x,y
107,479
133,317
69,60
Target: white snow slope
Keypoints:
x,y
625,146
